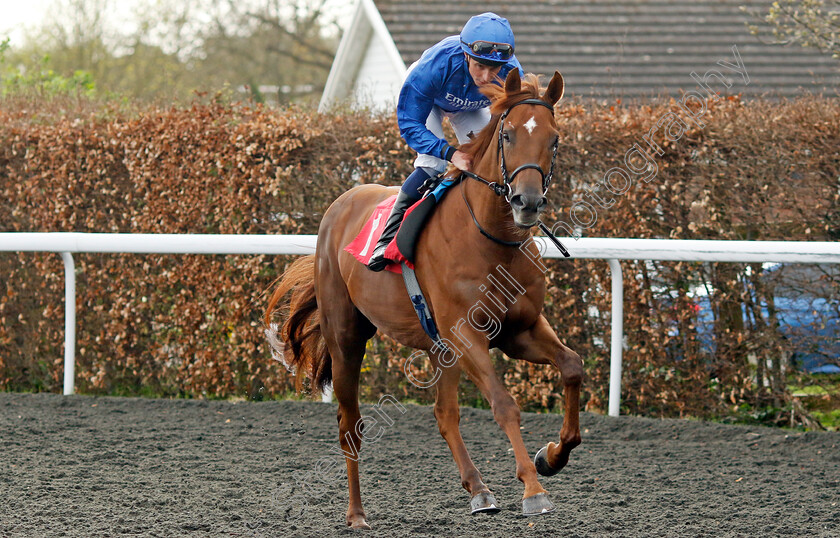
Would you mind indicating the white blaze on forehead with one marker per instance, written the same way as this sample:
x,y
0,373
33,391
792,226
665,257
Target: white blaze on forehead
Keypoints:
x,y
530,124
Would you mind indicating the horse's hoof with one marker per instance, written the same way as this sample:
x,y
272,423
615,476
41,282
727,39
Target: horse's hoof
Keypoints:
x,y
483,503
536,505
541,463
360,524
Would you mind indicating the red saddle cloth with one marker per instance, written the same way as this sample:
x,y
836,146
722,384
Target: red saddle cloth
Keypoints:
x,y
362,246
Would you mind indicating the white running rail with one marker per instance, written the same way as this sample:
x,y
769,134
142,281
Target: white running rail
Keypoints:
x,y
608,249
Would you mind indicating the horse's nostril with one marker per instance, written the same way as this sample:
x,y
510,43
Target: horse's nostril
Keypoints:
x,y
517,201
523,202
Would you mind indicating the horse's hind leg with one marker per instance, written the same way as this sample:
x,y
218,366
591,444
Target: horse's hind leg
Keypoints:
x,y
346,367
346,331
448,417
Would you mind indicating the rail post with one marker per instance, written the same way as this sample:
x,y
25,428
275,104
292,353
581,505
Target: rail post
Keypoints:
x,y
616,336
69,322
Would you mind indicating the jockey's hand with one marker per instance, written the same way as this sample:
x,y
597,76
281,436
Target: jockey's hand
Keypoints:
x,y
462,161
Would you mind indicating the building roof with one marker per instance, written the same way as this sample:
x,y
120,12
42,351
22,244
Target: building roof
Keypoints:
x,y
625,48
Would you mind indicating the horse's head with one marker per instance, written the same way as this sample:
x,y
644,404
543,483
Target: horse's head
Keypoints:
x,y
528,139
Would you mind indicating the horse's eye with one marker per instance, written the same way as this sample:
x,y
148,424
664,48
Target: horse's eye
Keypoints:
x,y
505,136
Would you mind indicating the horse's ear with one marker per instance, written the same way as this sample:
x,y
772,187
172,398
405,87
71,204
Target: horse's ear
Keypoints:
x,y
555,89
513,83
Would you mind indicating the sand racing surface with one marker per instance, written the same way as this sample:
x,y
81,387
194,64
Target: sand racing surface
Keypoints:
x,y
85,466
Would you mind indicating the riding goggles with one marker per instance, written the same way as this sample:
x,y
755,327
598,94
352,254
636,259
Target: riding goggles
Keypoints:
x,y
485,48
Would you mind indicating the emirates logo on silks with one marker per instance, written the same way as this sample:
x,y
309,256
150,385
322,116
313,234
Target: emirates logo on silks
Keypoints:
x,y
466,104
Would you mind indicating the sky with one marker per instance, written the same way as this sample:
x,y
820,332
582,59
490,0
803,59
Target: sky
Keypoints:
x,y
18,15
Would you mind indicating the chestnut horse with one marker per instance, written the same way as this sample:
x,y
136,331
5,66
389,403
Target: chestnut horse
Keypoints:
x,y
336,304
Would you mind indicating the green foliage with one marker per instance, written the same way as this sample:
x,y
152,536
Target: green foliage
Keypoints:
x,y
41,79
829,419
815,390
820,395
49,82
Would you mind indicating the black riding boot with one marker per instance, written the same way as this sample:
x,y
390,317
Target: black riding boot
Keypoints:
x,y
377,260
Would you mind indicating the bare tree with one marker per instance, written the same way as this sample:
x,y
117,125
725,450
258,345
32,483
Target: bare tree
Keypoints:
x,y
170,49
809,23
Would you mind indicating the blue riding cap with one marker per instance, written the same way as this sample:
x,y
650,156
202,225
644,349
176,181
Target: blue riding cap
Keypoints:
x,y
482,32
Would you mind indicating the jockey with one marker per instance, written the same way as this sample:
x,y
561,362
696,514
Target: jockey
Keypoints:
x,y
444,82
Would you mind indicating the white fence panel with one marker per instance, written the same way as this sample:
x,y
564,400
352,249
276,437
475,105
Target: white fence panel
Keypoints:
x,y
608,249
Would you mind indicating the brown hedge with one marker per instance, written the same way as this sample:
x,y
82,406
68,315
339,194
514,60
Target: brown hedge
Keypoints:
x,y
189,325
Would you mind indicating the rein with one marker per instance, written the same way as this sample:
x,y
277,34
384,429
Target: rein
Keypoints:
x,y
484,232
505,190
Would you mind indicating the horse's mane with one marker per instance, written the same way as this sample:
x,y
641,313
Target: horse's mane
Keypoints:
x,y
499,102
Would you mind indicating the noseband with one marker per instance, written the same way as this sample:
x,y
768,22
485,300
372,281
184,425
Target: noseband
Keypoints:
x,y
504,189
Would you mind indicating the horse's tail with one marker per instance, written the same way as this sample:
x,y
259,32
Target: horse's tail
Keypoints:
x,y
299,344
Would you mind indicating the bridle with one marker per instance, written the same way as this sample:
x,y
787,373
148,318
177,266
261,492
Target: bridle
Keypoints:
x,y
546,178
505,190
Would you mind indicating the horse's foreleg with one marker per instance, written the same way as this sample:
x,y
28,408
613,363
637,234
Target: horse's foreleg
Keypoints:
x,y
571,370
540,345
448,417
480,369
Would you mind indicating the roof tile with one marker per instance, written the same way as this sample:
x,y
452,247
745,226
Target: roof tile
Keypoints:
x,y
627,48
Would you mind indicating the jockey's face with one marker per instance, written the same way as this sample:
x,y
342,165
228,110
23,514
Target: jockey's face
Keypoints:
x,y
481,74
